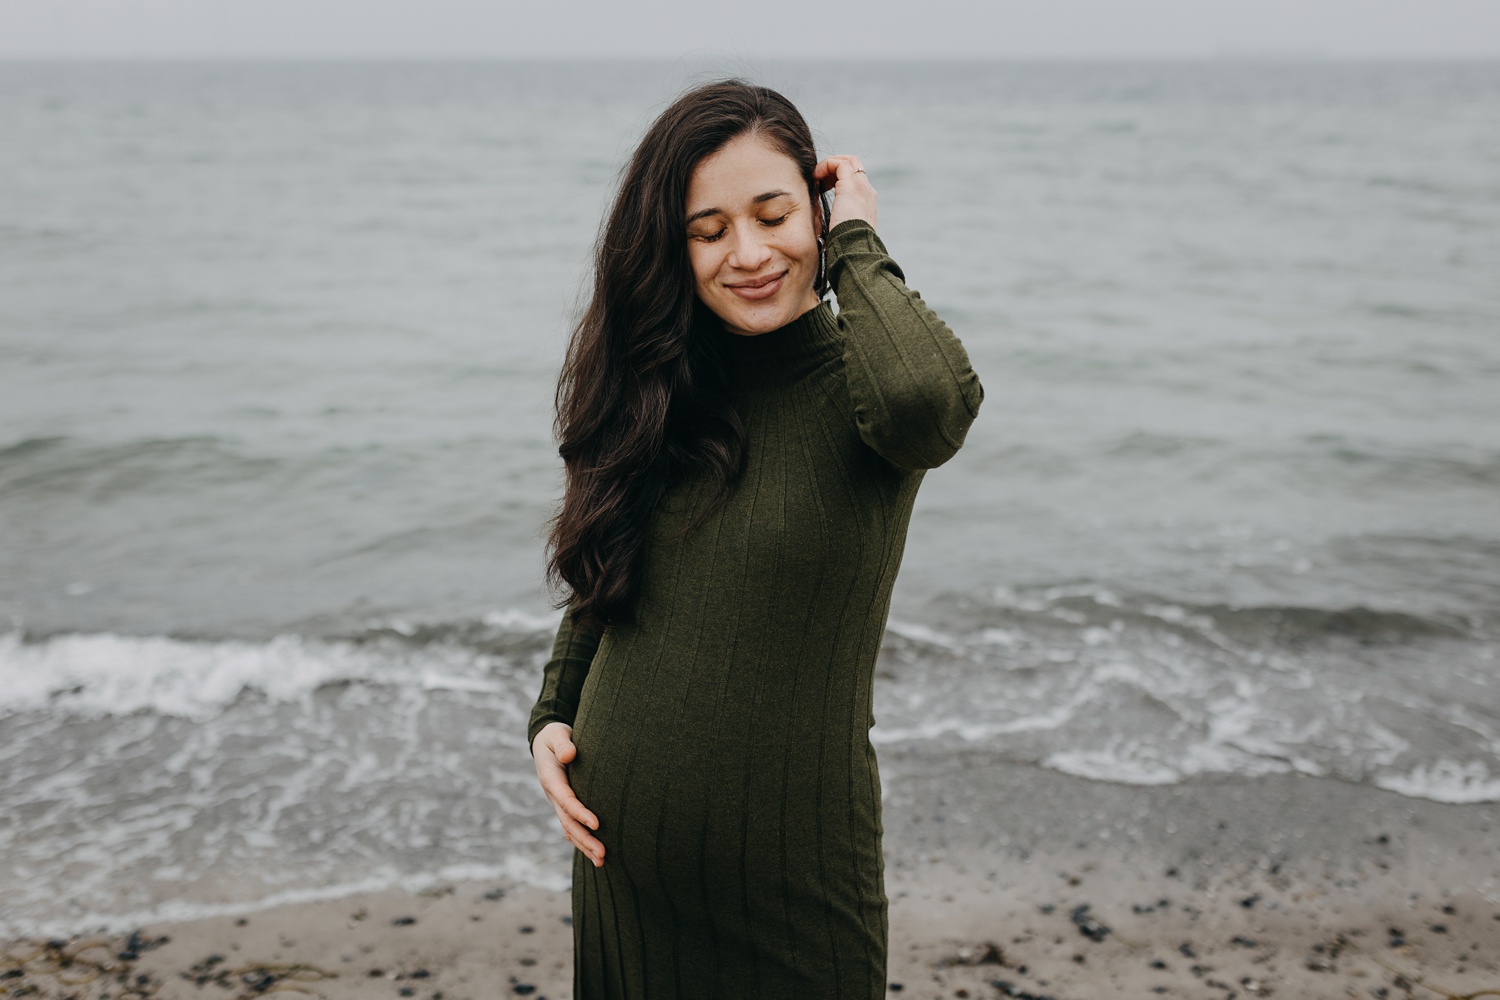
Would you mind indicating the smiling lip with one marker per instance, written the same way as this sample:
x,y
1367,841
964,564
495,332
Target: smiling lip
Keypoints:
x,y
759,288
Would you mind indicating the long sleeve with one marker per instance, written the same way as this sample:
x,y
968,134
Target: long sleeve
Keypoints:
x,y
562,678
914,391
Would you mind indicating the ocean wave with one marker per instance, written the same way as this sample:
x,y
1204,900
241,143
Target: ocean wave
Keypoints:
x,y
1082,678
1090,604
1137,689
96,674
1446,781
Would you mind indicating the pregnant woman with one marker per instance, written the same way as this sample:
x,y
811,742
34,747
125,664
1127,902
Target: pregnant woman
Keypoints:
x,y
741,467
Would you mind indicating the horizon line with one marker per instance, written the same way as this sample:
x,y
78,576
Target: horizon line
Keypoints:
x,y
1225,55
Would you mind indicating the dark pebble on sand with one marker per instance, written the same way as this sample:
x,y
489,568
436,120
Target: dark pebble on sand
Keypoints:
x,y
407,991
1450,909
1187,950
1157,963
376,972
528,929
989,955
1244,942
420,974
1171,872
495,894
1250,901
259,983
896,987
12,974
241,922
1087,925
404,921
1439,928
139,943
524,989
568,920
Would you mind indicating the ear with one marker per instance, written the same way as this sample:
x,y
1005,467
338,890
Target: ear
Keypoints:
x,y
818,209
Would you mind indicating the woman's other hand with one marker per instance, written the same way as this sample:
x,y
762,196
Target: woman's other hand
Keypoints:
x,y
853,196
553,748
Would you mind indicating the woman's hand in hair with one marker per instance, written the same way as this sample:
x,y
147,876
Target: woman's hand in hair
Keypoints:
x,y
853,195
552,748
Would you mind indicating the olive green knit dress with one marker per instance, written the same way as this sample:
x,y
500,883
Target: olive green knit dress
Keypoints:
x,y
723,739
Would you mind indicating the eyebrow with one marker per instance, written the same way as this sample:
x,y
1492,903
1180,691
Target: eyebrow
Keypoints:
x,y
719,211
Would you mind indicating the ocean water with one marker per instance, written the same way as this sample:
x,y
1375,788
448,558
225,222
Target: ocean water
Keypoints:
x,y
276,350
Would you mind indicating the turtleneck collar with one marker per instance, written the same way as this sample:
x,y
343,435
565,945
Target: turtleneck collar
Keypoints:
x,y
785,354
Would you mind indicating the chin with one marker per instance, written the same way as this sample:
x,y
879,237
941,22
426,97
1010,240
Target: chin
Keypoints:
x,y
764,317
760,323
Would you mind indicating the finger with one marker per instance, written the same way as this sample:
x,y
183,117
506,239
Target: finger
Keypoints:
x,y
836,170
567,804
828,173
580,838
555,783
563,799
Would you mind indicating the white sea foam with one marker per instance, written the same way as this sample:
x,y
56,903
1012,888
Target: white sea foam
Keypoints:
x,y
1446,781
1129,762
109,674
105,674
517,620
921,633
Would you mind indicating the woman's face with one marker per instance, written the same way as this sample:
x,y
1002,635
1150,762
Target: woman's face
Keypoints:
x,y
752,236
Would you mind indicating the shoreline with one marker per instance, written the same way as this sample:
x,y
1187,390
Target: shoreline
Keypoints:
x,y
1004,880
1015,930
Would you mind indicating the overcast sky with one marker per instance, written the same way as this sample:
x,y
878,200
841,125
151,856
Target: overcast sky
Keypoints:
x,y
677,28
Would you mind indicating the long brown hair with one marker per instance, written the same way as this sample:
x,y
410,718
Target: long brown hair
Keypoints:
x,y
644,393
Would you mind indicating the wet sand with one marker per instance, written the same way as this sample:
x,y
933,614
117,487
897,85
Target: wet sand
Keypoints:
x,y
1286,886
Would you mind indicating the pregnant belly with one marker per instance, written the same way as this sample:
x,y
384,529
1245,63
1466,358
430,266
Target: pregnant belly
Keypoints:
x,y
688,813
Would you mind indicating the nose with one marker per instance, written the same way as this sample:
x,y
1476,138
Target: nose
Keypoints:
x,y
749,249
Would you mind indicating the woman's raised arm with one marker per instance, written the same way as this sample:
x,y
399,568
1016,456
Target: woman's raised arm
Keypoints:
x,y
913,389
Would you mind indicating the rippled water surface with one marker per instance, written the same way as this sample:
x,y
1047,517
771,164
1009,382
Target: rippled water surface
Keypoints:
x,y
276,349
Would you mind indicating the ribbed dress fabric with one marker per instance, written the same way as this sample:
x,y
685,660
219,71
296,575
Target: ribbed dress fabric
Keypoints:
x,y
723,735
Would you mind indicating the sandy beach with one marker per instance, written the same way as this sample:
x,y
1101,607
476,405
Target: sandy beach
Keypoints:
x,y
1283,886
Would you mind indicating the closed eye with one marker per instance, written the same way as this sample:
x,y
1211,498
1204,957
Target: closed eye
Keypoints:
x,y
718,234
